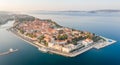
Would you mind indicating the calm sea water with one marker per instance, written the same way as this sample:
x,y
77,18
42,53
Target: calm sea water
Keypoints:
x,y
108,26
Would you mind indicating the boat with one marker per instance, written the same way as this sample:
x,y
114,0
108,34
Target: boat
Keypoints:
x,y
9,51
12,50
43,49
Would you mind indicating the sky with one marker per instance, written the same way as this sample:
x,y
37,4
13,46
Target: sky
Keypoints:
x,y
26,5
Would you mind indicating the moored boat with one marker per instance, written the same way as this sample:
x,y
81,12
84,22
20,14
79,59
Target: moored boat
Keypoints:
x,y
43,49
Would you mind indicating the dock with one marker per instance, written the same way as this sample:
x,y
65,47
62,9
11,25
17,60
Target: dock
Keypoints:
x,y
104,44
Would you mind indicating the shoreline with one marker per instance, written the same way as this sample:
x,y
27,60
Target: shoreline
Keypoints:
x,y
73,54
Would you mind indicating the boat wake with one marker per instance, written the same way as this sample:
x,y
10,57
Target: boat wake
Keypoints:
x,y
9,51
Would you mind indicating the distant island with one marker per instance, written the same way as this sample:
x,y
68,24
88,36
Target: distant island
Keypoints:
x,y
75,12
7,16
104,10
48,36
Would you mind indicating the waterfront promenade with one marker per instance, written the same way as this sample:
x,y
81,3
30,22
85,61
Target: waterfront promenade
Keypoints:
x,y
8,52
4,53
104,44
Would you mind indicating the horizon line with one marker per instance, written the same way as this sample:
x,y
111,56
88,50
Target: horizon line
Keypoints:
x,y
55,10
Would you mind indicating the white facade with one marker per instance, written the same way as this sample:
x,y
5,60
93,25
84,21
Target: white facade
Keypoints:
x,y
68,48
86,42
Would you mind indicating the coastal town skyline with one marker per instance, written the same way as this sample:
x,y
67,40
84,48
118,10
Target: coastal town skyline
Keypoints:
x,y
24,5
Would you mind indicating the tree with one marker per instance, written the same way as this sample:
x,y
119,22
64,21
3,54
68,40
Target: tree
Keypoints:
x,y
74,42
41,38
21,31
89,35
97,38
31,35
62,37
45,43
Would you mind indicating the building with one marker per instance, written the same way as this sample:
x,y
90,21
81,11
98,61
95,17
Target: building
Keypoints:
x,y
87,41
68,48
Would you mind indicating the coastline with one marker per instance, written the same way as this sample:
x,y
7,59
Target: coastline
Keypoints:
x,y
73,54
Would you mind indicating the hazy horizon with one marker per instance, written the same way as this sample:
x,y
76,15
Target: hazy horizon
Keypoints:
x,y
26,5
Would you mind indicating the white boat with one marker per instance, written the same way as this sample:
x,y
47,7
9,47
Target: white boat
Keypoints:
x,y
12,50
43,49
9,51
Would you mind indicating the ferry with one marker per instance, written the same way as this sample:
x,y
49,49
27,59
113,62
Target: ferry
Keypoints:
x,y
12,50
9,51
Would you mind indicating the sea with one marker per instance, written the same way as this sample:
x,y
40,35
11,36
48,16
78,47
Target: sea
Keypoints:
x,y
104,24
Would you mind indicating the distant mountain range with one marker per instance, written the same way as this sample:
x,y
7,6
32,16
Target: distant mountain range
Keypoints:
x,y
92,11
6,15
4,12
107,12
66,11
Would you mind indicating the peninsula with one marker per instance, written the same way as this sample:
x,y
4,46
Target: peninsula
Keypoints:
x,y
48,36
